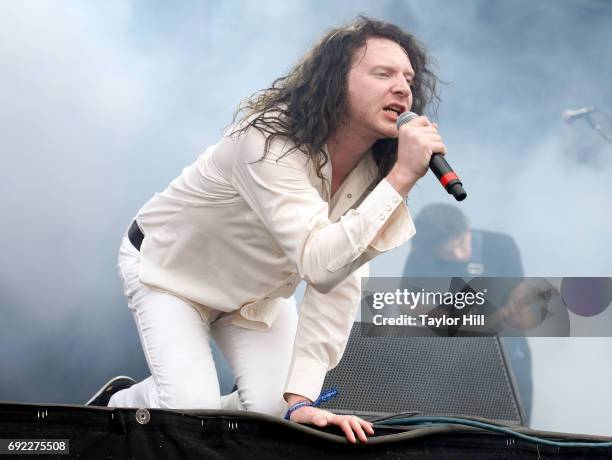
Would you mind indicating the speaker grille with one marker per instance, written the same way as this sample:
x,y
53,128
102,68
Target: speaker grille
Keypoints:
x,y
434,375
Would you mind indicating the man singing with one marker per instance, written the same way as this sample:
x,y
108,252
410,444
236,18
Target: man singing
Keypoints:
x,y
308,184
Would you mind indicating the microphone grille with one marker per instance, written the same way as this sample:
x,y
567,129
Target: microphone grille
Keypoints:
x,y
405,118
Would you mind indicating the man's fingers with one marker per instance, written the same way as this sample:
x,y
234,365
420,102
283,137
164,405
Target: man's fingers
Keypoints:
x,y
419,121
358,430
353,427
425,130
438,147
348,431
433,137
367,426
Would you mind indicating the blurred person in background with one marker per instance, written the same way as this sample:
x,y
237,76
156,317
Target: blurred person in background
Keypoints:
x,y
446,246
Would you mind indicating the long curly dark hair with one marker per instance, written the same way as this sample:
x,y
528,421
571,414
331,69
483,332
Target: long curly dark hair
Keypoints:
x,y
308,104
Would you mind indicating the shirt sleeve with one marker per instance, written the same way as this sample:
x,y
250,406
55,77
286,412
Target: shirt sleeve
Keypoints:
x,y
322,333
278,189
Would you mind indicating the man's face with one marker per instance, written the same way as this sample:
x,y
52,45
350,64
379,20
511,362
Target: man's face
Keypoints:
x,y
457,249
378,88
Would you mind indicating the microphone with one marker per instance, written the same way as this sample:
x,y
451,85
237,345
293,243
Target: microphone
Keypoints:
x,y
570,115
440,167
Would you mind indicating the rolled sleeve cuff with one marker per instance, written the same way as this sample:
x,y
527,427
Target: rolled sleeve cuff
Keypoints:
x,y
382,225
379,205
306,377
399,229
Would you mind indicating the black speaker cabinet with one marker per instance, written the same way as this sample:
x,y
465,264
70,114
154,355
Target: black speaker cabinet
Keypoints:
x,y
380,376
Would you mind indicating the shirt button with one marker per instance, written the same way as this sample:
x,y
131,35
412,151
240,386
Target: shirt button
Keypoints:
x,y
381,217
349,195
389,207
395,200
360,248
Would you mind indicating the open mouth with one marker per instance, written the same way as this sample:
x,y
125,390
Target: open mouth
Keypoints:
x,y
394,109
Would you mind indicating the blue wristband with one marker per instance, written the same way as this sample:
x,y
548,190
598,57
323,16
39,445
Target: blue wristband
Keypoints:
x,y
324,396
294,407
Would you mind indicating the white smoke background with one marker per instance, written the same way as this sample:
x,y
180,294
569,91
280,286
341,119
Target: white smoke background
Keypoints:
x,y
103,103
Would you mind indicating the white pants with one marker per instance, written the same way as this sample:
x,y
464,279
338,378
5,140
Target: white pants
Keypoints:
x,y
175,337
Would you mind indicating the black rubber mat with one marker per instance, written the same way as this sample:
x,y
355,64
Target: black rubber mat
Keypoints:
x,y
105,433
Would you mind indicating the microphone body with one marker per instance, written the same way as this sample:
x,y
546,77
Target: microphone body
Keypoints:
x,y
439,166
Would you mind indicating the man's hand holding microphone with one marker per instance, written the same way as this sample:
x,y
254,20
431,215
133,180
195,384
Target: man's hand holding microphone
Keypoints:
x,y
420,147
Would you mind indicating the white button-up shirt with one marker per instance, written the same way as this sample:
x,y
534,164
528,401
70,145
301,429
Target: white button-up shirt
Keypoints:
x,y
235,232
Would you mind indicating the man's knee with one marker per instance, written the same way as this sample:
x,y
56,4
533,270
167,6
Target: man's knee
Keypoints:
x,y
188,396
265,403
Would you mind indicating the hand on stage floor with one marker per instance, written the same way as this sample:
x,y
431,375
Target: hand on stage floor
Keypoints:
x,y
350,424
